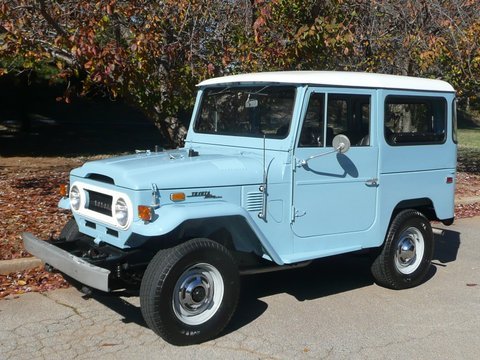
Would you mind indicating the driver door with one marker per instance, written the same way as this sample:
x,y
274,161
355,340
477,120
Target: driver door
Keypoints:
x,y
335,194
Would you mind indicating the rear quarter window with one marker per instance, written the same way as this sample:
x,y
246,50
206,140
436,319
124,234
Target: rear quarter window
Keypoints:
x,y
411,120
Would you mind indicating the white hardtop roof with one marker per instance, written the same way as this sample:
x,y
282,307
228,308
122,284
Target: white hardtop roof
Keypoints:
x,y
335,78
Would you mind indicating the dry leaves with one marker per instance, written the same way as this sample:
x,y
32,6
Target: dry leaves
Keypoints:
x,y
467,210
468,185
33,280
28,202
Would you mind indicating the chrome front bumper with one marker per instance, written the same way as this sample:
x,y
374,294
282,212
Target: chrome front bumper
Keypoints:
x,y
80,270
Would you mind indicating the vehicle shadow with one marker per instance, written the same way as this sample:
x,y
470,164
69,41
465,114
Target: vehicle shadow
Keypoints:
x,y
117,301
447,243
324,277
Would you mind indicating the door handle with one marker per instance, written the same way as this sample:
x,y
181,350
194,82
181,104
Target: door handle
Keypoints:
x,y
372,182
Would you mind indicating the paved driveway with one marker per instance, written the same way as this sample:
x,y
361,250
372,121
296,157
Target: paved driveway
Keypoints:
x,y
331,309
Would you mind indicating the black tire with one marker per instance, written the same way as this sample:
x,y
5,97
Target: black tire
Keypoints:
x,y
407,252
175,277
70,231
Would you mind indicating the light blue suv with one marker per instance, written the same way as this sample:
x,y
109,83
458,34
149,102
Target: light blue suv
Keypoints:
x,y
278,169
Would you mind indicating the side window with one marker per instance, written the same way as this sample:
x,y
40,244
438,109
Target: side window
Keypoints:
x,y
415,120
349,115
312,129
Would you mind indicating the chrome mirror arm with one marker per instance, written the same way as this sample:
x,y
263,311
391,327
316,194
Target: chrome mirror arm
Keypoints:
x,y
304,162
341,144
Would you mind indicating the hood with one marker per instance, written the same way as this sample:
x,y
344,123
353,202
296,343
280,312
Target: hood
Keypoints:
x,y
175,170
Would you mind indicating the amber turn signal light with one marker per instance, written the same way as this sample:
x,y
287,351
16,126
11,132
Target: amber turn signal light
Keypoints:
x,y
180,196
145,212
63,190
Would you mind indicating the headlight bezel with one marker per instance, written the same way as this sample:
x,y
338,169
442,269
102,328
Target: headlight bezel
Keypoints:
x,y
109,220
121,207
75,197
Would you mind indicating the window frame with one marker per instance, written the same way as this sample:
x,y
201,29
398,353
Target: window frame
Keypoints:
x,y
349,98
327,94
304,118
246,135
417,99
454,121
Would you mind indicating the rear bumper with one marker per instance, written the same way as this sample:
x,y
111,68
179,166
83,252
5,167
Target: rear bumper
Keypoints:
x,y
71,265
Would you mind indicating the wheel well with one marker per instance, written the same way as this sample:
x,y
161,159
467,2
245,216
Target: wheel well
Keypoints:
x,y
233,232
423,205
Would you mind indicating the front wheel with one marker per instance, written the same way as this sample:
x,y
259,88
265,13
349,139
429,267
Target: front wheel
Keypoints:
x,y
189,293
407,252
70,231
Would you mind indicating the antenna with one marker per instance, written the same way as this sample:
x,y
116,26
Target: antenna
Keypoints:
x,y
264,161
263,188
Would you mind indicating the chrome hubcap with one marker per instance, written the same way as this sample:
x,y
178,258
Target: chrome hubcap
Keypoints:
x,y
406,251
198,294
410,250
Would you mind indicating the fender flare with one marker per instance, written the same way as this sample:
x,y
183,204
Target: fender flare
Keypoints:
x,y
169,217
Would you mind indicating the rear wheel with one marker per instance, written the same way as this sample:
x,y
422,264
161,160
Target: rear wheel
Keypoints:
x,y
189,293
407,253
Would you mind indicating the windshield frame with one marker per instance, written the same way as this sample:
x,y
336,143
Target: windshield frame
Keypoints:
x,y
255,89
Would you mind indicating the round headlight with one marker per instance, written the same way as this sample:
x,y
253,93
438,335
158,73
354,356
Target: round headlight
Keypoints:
x,y
121,212
75,197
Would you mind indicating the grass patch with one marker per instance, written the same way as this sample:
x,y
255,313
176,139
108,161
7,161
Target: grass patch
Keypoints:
x,y
469,150
469,138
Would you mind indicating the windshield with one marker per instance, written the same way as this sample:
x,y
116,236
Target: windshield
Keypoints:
x,y
254,111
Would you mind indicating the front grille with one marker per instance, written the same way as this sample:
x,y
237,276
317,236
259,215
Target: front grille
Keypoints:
x,y
100,203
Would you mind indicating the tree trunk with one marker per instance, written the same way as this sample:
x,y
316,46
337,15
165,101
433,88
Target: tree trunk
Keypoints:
x,y
171,129
159,120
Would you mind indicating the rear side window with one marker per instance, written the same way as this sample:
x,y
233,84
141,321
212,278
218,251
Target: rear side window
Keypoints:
x,y
415,120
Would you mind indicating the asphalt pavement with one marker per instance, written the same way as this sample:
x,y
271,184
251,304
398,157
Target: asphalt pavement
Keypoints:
x,y
330,309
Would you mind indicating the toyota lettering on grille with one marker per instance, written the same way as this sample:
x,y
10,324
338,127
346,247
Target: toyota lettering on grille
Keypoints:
x,y
101,205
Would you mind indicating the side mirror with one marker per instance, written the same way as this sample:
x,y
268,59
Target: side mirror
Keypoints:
x,y
341,143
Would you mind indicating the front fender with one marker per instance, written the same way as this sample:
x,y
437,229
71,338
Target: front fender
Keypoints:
x,y
64,203
169,217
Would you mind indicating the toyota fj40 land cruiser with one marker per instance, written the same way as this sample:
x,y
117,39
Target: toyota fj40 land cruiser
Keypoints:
x,y
278,169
